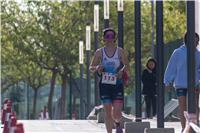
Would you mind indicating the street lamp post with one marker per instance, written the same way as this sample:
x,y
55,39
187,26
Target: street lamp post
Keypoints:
x,y
191,58
160,58
27,97
138,60
96,34
88,45
197,30
152,28
120,22
106,13
70,94
96,17
81,60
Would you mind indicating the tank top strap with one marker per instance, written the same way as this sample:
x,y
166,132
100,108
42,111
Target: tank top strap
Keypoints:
x,y
116,53
103,52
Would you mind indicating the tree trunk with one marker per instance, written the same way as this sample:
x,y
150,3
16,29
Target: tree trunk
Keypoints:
x,y
74,104
63,96
51,93
34,103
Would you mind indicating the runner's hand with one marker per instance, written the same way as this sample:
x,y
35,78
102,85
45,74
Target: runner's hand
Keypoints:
x,y
119,74
99,68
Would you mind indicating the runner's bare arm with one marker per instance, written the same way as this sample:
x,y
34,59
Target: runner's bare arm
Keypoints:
x,y
95,61
124,60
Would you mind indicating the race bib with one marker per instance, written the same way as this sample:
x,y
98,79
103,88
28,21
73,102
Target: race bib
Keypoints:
x,y
109,78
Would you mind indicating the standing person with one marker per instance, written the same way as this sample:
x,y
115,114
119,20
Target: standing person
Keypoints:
x,y
149,86
176,73
106,62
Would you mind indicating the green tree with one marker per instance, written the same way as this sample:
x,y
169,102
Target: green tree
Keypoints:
x,y
17,65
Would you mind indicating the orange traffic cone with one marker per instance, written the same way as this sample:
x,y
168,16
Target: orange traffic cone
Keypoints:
x,y
9,120
6,124
13,122
3,112
19,128
73,116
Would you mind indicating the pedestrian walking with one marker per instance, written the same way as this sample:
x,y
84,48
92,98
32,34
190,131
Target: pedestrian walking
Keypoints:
x,y
176,74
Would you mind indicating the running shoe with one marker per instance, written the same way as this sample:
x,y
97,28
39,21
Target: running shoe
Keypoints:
x,y
118,128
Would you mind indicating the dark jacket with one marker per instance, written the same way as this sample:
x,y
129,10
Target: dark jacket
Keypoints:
x,y
149,82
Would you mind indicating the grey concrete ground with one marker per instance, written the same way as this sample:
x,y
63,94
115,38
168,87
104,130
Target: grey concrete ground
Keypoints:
x,y
77,126
62,126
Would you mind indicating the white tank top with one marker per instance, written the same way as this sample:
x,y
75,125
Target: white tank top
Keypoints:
x,y
110,64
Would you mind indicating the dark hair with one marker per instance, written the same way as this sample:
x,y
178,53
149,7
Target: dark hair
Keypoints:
x,y
109,29
153,60
185,37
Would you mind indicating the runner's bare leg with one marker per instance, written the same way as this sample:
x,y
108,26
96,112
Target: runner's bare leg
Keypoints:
x,y
108,117
117,110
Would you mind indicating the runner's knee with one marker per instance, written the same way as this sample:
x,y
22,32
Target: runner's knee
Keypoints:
x,y
117,114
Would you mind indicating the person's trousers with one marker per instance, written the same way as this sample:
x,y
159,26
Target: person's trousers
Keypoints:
x,y
150,102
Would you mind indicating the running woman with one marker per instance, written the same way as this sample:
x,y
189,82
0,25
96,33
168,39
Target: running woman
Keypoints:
x,y
110,63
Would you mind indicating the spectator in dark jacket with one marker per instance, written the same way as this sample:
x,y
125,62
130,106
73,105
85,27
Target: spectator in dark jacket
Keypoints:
x,y
149,86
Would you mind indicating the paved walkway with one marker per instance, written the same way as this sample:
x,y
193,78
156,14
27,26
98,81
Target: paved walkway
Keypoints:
x,y
77,126
62,126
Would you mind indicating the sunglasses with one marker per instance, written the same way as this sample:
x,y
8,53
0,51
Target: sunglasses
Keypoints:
x,y
109,36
